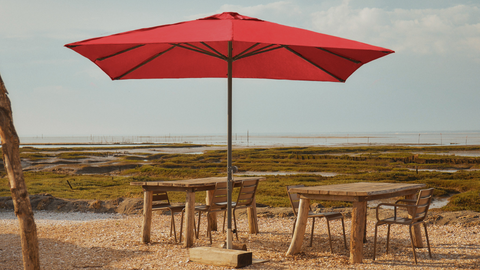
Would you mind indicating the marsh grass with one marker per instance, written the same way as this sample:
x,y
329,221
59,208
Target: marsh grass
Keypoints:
x,y
353,164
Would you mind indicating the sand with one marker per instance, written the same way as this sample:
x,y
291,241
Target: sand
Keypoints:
x,y
112,241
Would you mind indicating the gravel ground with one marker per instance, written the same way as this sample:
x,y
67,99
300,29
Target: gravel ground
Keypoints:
x,y
112,241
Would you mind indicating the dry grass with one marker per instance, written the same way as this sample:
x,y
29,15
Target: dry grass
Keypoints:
x,y
115,244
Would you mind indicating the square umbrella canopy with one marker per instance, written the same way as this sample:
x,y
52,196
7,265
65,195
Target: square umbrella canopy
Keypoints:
x,y
227,45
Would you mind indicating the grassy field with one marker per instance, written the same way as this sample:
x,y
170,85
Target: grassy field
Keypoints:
x,y
450,175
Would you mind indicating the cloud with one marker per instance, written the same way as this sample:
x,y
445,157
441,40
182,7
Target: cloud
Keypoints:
x,y
280,7
420,31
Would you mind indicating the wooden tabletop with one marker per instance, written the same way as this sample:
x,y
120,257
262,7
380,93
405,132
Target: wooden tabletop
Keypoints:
x,y
192,183
360,189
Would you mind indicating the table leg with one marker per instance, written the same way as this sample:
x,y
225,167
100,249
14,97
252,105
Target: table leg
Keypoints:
x,y
213,216
417,234
357,231
252,218
300,227
190,218
147,216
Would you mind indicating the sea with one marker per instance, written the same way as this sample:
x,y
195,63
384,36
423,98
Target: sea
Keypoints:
x,y
267,140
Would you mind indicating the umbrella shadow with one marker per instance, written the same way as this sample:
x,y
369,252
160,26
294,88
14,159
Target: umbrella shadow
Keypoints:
x,y
61,255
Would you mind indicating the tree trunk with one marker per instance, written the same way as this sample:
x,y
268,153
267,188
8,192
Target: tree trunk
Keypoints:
x,y
11,161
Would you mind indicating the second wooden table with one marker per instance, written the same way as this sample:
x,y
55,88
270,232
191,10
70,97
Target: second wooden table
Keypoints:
x,y
359,194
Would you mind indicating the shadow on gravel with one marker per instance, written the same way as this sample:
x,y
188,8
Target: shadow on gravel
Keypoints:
x,y
61,255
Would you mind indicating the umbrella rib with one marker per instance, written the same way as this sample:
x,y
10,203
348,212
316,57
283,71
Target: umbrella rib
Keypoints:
x,y
341,56
120,52
258,51
144,63
199,50
317,66
245,51
211,48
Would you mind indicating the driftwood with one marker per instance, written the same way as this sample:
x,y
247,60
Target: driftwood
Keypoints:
x,y
21,201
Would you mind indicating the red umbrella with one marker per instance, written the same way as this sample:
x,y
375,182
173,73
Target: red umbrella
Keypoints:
x,y
227,45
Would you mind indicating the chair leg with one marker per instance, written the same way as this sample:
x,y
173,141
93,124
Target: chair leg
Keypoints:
x,y
224,216
194,226
428,242
235,224
199,218
181,225
413,244
311,234
329,236
344,237
388,236
209,229
173,225
375,242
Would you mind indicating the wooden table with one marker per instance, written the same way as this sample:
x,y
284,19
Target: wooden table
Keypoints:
x,y
190,186
359,194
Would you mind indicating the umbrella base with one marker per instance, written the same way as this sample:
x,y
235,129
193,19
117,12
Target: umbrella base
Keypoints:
x,y
220,256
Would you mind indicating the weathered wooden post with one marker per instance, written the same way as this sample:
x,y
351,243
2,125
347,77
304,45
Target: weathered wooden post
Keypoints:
x,y
21,202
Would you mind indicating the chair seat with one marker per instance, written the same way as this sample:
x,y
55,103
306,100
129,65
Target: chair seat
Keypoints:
x,y
201,207
204,207
329,215
176,208
173,208
397,220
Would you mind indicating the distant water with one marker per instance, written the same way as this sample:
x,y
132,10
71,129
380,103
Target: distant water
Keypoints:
x,y
341,139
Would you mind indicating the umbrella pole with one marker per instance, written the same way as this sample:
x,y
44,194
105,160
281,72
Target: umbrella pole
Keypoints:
x,y
229,150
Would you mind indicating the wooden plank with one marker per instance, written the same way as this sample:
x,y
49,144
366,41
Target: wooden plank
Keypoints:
x,y
400,193
357,231
199,182
190,218
299,233
147,216
328,197
357,189
221,257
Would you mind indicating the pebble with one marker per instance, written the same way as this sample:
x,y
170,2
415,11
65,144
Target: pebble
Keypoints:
x,y
110,241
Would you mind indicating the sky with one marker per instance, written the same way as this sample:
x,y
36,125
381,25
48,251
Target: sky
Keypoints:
x,y
430,83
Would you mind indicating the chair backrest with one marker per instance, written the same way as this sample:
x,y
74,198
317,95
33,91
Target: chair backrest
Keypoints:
x,y
160,200
219,199
294,198
423,203
247,193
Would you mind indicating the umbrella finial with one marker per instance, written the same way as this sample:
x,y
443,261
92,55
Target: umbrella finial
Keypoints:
x,y
229,16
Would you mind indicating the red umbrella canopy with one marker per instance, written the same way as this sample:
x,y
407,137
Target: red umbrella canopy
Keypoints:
x,y
199,49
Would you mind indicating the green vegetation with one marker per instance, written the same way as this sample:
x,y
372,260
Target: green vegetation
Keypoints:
x,y
351,164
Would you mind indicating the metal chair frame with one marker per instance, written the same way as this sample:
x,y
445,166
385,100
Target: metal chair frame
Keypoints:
x,y
218,204
160,201
295,201
418,210
245,199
